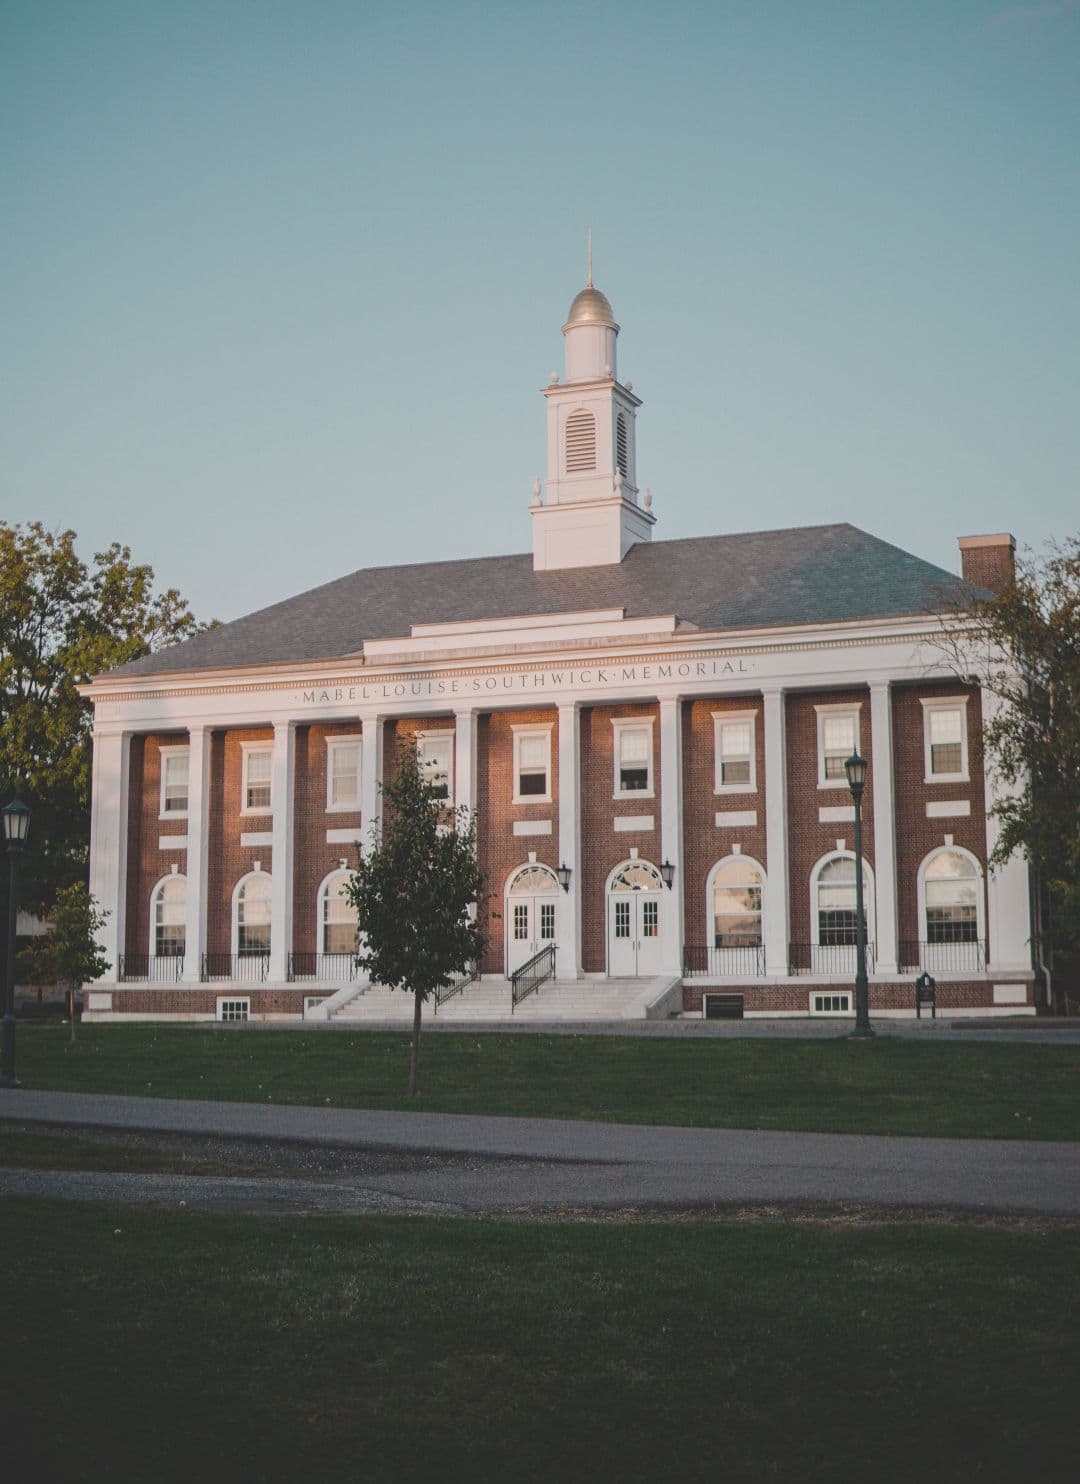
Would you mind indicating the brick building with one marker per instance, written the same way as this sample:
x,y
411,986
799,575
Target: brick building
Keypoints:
x,y
652,735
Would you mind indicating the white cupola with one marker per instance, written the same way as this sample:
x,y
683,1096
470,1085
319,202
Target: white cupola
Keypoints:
x,y
588,514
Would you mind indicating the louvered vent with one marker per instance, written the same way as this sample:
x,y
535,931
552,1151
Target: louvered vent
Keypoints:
x,y
621,444
580,442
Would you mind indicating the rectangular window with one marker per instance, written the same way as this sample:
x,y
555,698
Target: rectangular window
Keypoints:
x,y
547,921
945,739
233,1009
532,765
256,784
830,1004
650,918
521,921
174,782
838,738
734,742
622,919
342,774
435,754
633,758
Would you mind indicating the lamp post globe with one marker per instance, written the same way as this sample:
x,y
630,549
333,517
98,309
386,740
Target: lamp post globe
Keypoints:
x,y
856,768
16,817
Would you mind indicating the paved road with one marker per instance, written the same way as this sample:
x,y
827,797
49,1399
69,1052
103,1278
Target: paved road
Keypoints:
x,y
540,1165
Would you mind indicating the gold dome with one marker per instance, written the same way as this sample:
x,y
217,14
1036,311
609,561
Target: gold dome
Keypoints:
x,y
591,307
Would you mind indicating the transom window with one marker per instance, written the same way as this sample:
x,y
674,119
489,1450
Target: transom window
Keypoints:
x,y
258,770
169,909
532,765
945,739
836,917
253,915
435,755
174,782
734,733
533,879
633,758
838,738
736,904
637,876
337,915
952,898
580,442
343,773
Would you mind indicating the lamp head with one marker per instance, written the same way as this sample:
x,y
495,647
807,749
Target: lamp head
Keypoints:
x,y
16,817
855,768
667,871
564,873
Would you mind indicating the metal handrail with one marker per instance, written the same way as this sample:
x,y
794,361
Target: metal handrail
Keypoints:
x,y
958,956
150,968
733,957
246,968
826,958
333,967
448,991
528,979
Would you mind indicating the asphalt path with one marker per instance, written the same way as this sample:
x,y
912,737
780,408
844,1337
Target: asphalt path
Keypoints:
x,y
461,1164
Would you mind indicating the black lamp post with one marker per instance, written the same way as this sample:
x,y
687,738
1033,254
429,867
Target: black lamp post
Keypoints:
x,y
855,767
564,873
16,828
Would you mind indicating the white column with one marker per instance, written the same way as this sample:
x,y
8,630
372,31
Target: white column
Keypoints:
x,y
1007,896
671,828
569,945
108,839
283,791
371,766
886,958
465,724
198,839
775,906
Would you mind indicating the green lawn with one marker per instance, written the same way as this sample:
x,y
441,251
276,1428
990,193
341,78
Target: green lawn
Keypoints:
x,y
164,1346
888,1086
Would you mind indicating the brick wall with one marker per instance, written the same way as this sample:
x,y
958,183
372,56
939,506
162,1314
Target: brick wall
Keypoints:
x,y
601,848
313,858
146,864
228,860
703,843
808,838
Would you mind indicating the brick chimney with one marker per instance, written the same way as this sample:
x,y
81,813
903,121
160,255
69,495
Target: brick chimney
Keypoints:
x,y
988,561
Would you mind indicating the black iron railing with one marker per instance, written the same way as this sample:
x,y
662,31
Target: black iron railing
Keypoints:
x,y
239,968
947,958
827,958
448,992
526,980
745,958
150,968
337,968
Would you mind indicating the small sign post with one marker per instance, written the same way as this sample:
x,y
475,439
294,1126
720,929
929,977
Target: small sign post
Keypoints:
x,y
925,994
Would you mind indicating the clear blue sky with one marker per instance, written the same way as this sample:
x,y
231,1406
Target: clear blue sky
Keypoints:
x,y
283,278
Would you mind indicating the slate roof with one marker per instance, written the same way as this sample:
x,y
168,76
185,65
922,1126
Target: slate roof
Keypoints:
x,y
806,575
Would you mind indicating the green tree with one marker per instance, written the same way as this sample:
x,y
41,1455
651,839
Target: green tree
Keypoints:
x,y
413,892
63,620
69,954
1026,642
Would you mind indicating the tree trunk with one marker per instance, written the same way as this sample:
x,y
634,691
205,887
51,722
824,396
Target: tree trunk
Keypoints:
x,y
414,1045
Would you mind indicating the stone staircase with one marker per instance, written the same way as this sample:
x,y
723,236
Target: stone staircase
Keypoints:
x,y
489,1000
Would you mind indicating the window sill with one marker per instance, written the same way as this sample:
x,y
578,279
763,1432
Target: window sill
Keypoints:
x,y
256,813
174,814
832,783
724,789
527,799
949,778
637,793
343,808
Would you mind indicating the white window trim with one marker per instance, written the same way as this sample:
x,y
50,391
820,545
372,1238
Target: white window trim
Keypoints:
x,y
869,904
441,732
945,703
248,876
246,749
533,730
621,724
232,999
710,885
165,752
851,708
332,744
831,993
980,900
719,718
172,876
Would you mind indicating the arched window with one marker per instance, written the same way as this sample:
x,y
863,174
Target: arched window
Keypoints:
x,y
168,907
531,880
253,915
637,876
952,889
736,904
834,905
622,445
580,442
337,916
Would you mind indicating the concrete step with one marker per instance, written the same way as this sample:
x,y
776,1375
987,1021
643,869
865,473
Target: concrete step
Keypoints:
x,y
556,1001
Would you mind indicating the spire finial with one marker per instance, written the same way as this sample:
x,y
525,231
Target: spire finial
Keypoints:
x,y
589,235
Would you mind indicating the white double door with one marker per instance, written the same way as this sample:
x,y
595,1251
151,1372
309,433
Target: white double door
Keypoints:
x,y
634,934
531,925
